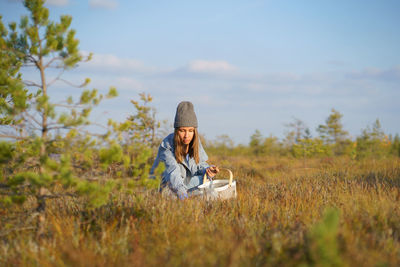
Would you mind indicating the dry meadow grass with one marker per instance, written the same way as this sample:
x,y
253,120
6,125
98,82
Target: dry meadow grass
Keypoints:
x,y
335,212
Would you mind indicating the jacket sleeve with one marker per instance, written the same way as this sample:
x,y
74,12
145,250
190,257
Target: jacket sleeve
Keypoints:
x,y
173,175
155,164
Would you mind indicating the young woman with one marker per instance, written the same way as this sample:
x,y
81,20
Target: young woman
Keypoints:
x,y
183,155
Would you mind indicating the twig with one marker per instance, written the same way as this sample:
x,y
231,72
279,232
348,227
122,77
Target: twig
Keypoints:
x,y
56,79
30,83
74,85
51,61
69,106
32,118
12,137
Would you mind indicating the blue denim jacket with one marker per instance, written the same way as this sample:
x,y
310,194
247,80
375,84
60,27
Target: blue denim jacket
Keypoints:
x,y
180,177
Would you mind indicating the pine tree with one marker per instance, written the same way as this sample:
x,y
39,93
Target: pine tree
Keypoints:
x,y
297,130
143,125
333,134
42,44
332,131
256,142
14,96
135,142
395,146
372,142
29,117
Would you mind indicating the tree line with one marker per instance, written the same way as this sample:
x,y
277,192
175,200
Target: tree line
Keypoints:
x,y
332,140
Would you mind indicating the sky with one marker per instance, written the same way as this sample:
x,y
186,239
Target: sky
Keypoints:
x,y
245,65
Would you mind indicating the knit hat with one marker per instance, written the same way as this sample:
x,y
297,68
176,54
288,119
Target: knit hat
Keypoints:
x,y
185,116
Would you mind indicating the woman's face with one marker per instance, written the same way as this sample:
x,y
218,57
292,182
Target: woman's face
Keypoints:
x,y
186,134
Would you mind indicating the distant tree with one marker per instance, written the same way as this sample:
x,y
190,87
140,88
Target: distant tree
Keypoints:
x,y
377,131
333,134
332,131
223,145
224,141
260,145
300,143
310,147
272,146
372,142
297,130
256,141
395,146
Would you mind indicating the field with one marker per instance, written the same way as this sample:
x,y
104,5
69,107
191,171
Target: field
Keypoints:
x,y
335,212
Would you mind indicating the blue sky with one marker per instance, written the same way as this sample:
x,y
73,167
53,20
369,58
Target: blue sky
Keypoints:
x,y
245,65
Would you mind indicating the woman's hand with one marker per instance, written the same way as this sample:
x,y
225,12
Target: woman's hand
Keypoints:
x,y
212,171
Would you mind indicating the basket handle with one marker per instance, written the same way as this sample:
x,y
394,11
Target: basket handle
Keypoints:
x,y
230,175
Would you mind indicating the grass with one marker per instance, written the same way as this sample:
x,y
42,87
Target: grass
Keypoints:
x,y
335,212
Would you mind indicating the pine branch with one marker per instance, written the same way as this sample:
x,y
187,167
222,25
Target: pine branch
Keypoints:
x,y
29,65
12,137
69,106
74,85
33,60
57,127
4,130
51,61
98,124
94,134
32,118
56,79
30,83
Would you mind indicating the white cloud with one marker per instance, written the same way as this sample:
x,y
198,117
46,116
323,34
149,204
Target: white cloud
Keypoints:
x,y
112,63
107,4
127,83
391,74
57,2
207,66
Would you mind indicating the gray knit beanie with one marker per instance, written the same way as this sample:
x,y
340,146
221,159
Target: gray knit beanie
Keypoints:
x,y
185,116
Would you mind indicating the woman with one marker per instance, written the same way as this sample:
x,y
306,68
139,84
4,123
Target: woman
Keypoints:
x,y
183,155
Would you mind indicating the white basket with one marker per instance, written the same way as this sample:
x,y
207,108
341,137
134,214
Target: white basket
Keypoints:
x,y
219,189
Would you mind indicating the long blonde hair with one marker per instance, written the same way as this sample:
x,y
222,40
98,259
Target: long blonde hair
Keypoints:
x,y
180,152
